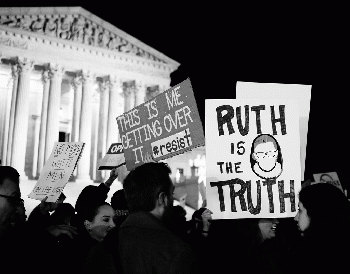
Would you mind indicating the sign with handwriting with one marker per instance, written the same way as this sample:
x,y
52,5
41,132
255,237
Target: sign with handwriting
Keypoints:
x,y
252,158
167,125
57,171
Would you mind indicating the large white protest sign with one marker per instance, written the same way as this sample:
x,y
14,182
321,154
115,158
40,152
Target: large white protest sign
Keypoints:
x,y
328,177
252,158
113,158
57,170
301,93
167,125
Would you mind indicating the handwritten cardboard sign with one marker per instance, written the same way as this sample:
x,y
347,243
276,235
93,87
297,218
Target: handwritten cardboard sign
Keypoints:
x,y
252,158
113,158
57,170
328,177
300,93
164,126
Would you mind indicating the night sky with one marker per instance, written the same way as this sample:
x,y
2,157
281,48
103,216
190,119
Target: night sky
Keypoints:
x,y
218,46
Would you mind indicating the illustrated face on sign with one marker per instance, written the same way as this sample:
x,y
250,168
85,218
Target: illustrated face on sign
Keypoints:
x,y
325,178
266,159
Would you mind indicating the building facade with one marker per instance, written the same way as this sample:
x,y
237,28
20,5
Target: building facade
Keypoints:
x,y
65,75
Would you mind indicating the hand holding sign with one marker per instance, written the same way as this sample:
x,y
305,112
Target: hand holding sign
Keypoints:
x,y
57,171
112,176
206,218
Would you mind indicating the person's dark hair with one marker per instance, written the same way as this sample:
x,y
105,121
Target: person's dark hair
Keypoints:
x,y
179,211
118,200
8,172
86,196
327,208
252,232
90,211
144,183
64,212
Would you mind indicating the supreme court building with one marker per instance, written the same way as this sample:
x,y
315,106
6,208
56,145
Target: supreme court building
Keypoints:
x,y
65,75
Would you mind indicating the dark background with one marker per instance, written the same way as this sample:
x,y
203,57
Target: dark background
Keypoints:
x,y
220,45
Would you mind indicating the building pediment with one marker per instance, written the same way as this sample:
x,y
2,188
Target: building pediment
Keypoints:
x,y
78,25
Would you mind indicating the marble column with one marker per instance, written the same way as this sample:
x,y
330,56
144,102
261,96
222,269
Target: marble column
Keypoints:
x,y
102,125
20,128
36,144
53,108
140,92
11,117
128,95
6,91
94,131
112,126
85,127
77,86
43,121
163,88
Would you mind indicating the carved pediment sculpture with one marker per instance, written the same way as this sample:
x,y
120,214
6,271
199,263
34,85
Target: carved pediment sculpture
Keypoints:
x,y
77,28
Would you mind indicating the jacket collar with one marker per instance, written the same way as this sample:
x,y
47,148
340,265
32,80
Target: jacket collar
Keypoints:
x,y
144,220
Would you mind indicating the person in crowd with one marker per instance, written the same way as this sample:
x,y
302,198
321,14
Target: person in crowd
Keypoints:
x,y
62,247
178,223
40,219
198,230
119,204
95,221
20,243
12,211
100,257
40,215
324,222
15,242
256,244
200,223
63,214
94,193
143,243
267,228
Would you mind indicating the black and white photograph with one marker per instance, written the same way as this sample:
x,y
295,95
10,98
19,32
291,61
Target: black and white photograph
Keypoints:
x,y
123,126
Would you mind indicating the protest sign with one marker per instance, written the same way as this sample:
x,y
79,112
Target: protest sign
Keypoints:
x,y
300,93
252,158
57,170
167,125
328,177
113,158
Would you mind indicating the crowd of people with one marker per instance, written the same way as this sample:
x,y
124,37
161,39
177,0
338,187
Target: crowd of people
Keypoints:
x,y
141,231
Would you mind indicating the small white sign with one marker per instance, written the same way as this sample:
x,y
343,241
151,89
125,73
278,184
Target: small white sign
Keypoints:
x,y
57,170
328,177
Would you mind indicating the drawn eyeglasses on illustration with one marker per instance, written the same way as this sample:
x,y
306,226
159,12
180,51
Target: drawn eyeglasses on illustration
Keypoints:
x,y
272,153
